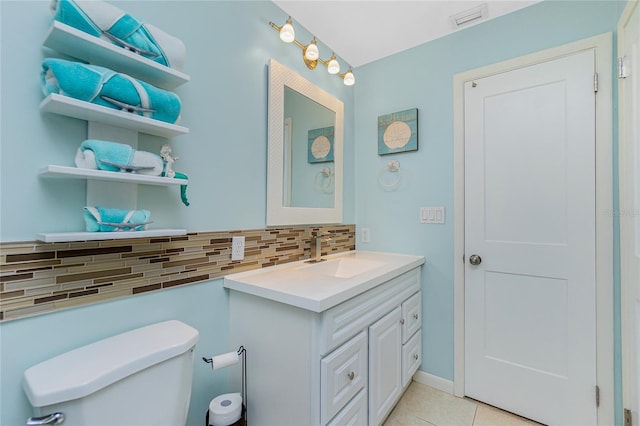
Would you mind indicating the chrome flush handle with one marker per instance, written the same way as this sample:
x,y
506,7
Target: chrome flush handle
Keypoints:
x,y
49,419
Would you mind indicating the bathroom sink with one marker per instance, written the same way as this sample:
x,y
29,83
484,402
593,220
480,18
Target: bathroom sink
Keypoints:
x,y
341,267
320,286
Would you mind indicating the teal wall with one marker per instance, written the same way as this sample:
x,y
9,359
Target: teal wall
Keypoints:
x,y
422,77
225,106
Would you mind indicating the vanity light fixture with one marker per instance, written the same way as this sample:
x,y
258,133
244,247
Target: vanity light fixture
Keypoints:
x,y
333,67
287,33
311,54
349,78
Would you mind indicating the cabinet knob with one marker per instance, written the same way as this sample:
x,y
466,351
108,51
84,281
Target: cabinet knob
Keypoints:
x,y
415,316
415,356
351,375
402,321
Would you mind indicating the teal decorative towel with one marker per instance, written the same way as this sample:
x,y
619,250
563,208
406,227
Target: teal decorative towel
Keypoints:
x,y
103,20
102,86
101,219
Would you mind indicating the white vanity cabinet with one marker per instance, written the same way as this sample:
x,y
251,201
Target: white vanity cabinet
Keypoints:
x,y
385,365
347,365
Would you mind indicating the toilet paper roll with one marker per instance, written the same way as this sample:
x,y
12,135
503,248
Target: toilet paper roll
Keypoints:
x,y
224,360
225,410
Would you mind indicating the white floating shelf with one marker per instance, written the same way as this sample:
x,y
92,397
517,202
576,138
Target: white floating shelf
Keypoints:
x,y
64,105
53,171
80,45
95,236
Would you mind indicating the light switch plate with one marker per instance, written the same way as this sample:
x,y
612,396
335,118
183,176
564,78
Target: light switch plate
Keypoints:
x,y
432,215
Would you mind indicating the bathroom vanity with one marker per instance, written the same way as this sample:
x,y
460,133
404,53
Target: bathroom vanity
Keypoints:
x,y
330,343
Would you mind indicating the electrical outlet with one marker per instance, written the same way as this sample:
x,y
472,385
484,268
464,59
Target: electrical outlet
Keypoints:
x,y
237,248
365,235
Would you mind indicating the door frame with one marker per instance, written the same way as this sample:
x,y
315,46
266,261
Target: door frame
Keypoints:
x,y
630,386
602,45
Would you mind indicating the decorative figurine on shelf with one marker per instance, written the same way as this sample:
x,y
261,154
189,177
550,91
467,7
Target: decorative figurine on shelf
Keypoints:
x,y
165,153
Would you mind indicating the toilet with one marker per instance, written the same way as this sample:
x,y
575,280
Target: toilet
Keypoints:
x,y
141,377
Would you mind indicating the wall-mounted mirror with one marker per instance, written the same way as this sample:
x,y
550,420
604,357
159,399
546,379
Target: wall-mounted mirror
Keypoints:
x,y
304,166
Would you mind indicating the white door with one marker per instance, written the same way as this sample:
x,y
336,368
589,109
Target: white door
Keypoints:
x,y
530,324
629,145
385,365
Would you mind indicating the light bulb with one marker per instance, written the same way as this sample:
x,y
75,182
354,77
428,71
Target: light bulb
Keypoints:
x,y
349,79
287,33
311,51
333,67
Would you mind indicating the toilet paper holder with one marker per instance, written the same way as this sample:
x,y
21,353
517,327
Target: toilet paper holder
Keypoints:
x,y
228,359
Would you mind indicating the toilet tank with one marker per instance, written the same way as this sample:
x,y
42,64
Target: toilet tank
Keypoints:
x,y
141,377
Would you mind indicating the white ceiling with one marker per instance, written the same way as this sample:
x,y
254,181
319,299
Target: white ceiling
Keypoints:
x,y
362,31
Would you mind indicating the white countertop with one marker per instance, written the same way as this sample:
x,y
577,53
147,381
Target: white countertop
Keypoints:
x,y
304,285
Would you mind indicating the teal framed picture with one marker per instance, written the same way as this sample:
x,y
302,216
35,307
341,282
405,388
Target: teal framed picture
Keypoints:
x,y
321,145
398,132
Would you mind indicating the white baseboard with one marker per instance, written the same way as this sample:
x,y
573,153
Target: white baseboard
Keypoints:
x,y
434,381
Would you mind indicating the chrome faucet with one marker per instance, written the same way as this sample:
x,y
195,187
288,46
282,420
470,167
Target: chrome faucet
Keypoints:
x,y
316,247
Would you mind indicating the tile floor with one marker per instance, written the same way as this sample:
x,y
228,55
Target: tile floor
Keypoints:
x,y
423,405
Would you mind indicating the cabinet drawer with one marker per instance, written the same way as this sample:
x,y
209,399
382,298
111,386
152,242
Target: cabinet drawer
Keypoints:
x,y
411,357
411,316
339,323
355,413
343,373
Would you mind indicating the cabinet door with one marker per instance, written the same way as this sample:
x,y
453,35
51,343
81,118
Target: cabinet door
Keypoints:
x,y
385,351
342,374
354,414
411,316
411,357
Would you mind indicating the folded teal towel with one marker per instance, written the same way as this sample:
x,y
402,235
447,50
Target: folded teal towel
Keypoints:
x,y
101,219
101,19
112,152
102,86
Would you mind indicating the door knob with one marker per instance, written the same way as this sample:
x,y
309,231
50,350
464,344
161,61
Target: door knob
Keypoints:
x,y
475,260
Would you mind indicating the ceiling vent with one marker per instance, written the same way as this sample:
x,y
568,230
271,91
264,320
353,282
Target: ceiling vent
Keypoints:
x,y
469,16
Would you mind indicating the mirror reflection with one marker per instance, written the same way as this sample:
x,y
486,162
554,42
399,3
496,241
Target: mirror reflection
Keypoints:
x,y
308,167
304,162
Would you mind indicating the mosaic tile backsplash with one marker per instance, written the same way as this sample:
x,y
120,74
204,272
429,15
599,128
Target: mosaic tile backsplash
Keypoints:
x,y
37,278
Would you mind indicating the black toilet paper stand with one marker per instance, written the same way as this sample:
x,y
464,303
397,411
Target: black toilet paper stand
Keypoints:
x,y
242,352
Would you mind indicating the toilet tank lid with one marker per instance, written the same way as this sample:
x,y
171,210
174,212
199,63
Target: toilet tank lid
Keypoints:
x,y
85,370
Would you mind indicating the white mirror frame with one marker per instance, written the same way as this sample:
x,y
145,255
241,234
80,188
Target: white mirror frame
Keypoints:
x,y
278,214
